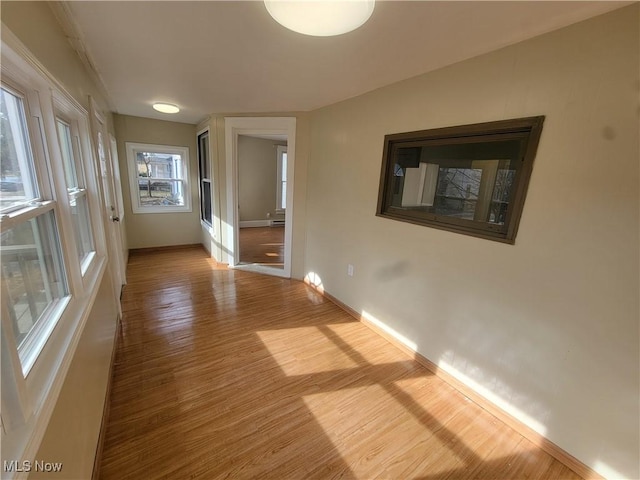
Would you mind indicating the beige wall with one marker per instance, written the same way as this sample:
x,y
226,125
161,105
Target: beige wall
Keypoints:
x,y
72,432
547,327
160,229
257,177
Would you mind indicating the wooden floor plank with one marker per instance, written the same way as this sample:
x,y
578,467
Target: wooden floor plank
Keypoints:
x,y
262,246
228,374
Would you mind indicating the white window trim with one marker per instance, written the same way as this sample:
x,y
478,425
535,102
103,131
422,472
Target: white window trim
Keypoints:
x,y
69,111
131,149
208,226
28,403
280,149
204,222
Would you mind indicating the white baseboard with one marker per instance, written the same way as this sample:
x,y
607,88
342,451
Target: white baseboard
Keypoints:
x,y
254,223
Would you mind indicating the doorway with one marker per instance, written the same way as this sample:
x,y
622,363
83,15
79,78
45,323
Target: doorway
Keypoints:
x,y
260,160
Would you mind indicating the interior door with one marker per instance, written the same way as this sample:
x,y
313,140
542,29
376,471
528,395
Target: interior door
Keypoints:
x,y
119,203
110,204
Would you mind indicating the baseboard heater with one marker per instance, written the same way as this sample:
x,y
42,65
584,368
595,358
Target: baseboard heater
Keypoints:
x,y
277,223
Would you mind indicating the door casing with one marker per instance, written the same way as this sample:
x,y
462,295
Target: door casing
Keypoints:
x,y
235,126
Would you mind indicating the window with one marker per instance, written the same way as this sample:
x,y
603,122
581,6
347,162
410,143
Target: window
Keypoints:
x,y
33,272
159,178
17,174
470,179
78,199
281,187
52,242
204,164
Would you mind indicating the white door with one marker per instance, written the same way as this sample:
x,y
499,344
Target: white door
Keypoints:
x,y
109,196
119,203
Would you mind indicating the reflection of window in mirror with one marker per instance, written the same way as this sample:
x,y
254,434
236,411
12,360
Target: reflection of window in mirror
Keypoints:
x,y
469,179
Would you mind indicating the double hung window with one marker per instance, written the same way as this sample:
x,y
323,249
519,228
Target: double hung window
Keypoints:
x,y
76,190
35,285
204,165
52,243
159,178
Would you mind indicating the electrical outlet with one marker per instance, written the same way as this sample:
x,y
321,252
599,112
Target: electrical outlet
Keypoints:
x,y
350,270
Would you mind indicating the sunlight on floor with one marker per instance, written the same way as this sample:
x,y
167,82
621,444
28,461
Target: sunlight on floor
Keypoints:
x,y
290,348
364,441
360,335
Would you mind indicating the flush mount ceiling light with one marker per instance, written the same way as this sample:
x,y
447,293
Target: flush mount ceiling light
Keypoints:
x,y
320,18
165,108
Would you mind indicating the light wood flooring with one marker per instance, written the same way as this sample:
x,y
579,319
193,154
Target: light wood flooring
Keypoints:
x,y
229,374
262,246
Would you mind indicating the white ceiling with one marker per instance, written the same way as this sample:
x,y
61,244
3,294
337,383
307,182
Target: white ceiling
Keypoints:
x,y
231,57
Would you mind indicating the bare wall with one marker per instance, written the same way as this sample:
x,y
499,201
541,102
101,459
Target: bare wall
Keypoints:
x,y
72,433
257,177
546,328
159,229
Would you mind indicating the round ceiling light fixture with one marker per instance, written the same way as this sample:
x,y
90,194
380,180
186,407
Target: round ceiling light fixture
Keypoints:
x,y
165,107
320,18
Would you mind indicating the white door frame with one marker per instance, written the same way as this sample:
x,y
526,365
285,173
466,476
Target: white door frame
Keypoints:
x,y
235,126
117,185
113,234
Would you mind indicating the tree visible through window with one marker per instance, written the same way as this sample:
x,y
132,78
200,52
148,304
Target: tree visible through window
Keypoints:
x,y
33,273
159,178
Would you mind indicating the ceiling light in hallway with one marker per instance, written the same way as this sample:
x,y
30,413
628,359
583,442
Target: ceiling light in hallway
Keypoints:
x,y
165,108
320,18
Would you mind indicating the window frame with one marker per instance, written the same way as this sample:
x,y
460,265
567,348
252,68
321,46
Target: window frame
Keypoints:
x,y
80,190
526,130
205,177
281,150
35,124
33,172
132,148
29,389
65,108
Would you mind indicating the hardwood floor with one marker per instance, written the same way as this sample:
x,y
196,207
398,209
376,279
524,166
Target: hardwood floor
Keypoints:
x,y
262,246
229,374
